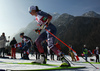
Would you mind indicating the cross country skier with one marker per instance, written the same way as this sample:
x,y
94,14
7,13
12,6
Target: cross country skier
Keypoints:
x,y
44,22
27,40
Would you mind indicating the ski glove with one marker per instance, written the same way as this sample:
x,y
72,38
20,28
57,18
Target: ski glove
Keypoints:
x,y
44,26
38,31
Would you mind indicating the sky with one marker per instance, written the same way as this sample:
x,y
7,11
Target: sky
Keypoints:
x,y
14,14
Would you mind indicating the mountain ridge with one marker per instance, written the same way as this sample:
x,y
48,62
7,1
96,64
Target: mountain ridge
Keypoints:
x,y
73,30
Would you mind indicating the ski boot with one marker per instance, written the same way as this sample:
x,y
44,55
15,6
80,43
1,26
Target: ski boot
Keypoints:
x,y
43,60
65,63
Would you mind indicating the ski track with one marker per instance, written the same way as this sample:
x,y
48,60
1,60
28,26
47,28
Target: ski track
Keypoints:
x,y
29,67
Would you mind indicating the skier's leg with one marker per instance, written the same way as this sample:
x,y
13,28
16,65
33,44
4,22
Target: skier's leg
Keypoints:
x,y
38,41
51,45
25,52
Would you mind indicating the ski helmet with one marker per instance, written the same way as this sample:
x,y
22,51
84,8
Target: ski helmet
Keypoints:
x,y
31,8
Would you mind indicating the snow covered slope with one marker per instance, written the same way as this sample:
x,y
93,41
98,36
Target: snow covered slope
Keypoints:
x,y
29,67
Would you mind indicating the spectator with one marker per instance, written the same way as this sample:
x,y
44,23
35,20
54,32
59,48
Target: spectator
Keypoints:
x,y
85,52
96,52
72,54
2,44
13,49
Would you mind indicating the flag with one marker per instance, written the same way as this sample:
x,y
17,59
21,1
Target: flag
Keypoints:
x,y
18,45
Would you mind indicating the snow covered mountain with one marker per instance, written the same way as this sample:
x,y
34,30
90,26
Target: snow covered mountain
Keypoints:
x,y
91,14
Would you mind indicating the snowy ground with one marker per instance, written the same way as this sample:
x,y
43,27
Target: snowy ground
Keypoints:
x,y
29,67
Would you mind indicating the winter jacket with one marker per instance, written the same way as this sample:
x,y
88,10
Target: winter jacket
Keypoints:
x,y
96,52
85,51
13,42
2,41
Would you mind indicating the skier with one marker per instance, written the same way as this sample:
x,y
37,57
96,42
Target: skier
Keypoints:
x,y
44,22
28,41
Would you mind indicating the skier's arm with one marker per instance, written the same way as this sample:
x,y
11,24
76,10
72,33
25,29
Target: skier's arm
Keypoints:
x,y
49,19
43,26
30,40
48,16
38,30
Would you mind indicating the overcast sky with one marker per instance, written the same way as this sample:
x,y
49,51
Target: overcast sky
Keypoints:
x,y
14,13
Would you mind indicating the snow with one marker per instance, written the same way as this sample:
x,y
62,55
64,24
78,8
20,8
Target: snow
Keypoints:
x,y
32,58
91,14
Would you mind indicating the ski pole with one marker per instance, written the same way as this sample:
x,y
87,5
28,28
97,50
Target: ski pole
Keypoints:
x,y
64,44
90,63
